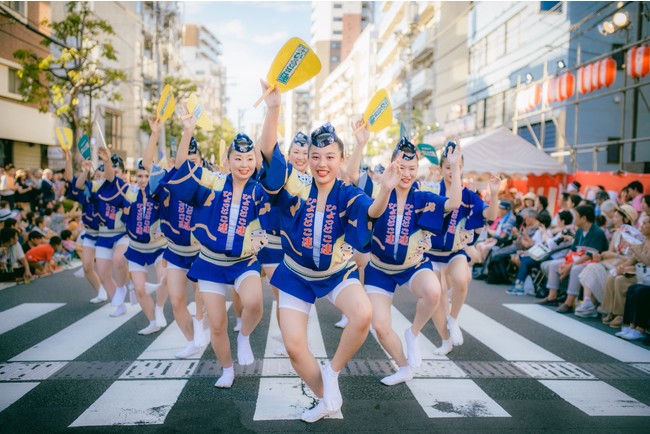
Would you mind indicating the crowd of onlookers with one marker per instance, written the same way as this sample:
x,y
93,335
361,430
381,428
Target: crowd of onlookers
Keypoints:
x,y
591,258
596,251
37,234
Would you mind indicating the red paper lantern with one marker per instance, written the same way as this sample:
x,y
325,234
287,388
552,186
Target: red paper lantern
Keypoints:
x,y
552,90
584,79
607,72
566,86
638,61
595,76
534,96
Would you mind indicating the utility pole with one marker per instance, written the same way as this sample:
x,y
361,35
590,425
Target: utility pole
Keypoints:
x,y
159,76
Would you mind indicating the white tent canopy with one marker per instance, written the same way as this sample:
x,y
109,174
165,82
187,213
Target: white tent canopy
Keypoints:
x,y
505,152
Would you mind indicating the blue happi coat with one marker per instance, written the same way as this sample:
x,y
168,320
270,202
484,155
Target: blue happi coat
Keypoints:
x,y
346,224
210,194
89,215
175,215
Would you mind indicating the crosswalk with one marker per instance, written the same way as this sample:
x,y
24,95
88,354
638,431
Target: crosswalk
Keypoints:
x,y
145,390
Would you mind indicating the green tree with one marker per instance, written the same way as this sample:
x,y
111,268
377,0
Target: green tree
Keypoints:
x,y
74,69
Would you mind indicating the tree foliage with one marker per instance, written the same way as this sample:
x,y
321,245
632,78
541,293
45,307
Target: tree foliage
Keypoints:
x,y
75,69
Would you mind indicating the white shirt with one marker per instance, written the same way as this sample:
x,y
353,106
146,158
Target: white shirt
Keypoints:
x,y
318,233
232,225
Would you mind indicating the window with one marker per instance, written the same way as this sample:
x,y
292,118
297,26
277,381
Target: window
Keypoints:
x,y
613,151
477,57
339,19
337,5
335,45
18,7
334,59
112,130
337,32
513,33
14,81
550,6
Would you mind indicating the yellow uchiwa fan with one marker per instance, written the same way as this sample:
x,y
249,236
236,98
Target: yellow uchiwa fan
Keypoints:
x,y
379,113
166,104
294,64
196,109
64,136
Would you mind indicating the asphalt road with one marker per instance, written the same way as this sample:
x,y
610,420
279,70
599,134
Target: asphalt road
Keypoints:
x,y
64,365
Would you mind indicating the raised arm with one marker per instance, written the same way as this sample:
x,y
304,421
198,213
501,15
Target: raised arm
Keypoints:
x,y
150,150
270,129
189,123
389,181
67,173
491,212
86,165
456,188
352,166
105,156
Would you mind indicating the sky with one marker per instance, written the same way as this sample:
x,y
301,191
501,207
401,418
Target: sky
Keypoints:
x,y
251,33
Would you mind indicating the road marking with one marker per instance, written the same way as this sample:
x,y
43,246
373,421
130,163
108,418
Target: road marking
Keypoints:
x,y
74,340
138,402
282,395
148,401
444,397
171,341
12,392
597,398
24,313
583,333
500,339
454,398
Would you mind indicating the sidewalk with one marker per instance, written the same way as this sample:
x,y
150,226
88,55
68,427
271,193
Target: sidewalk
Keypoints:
x,y
72,265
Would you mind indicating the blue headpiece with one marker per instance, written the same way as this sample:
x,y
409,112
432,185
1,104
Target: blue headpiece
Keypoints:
x,y
242,143
194,147
407,148
324,135
116,161
301,139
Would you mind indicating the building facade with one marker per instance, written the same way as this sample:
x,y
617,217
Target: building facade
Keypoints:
x,y
20,142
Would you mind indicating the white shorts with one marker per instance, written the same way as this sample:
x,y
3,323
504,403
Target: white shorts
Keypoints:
x,y
288,301
372,289
88,243
171,266
134,266
106,253
222,288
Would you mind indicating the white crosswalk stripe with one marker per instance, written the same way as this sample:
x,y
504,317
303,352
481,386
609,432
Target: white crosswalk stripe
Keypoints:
x,y
148,389
24,313
148,401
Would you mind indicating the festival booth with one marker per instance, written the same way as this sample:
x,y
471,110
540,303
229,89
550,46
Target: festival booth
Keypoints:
x,y
527,168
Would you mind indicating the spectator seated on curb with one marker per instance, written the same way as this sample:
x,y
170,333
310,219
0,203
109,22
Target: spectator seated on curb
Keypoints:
x,y
13,264
637,314
589,239
503,232
595,274
41,256
71,249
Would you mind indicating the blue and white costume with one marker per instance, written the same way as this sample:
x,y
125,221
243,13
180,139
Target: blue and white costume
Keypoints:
x,y
175,221
459,225
230,235
89,216
111,227
141,215
400,241
318,246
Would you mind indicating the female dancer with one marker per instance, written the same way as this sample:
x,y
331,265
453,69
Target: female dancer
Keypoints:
x,y
90,222
146,242
318,234
447,251
182,249
400,238
228,245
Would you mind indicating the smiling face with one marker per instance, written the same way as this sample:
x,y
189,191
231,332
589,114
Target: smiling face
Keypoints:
x,y
142,178
242,165
298,157
325,163
409,169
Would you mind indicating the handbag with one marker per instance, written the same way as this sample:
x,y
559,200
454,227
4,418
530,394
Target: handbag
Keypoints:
x,y
642,274
539,252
